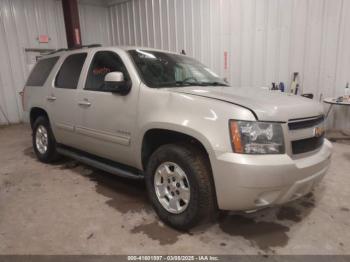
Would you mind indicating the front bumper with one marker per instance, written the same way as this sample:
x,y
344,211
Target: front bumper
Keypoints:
x,y
249,182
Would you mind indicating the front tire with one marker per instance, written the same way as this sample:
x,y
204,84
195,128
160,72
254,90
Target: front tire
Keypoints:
x,y
180,185
44,142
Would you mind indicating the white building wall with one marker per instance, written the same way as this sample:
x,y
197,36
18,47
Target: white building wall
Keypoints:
x,y
21,22
266,40
95,24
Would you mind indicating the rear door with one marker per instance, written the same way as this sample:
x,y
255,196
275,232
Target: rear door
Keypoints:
x,y
62,98
106,120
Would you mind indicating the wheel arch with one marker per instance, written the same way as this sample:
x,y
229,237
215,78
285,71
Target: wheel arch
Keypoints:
x,y
35,112
156,136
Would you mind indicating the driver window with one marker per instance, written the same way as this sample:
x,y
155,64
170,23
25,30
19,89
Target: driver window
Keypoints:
x,y
103,63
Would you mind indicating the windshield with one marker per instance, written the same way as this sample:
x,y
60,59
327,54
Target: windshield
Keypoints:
x,y
160,69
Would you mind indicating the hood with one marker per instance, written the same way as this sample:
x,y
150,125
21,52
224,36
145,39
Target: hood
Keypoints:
x,y
266,105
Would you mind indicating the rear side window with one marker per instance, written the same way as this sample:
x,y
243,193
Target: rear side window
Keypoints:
x,y
41,71
68,76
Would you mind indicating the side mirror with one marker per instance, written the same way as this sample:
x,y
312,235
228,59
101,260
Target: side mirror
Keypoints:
x,y
115,83
114,77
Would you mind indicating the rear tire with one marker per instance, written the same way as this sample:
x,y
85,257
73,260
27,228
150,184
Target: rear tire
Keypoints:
x,y
44,142
193,166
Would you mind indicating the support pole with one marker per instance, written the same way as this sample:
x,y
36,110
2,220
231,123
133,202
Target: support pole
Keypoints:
x,y
71,21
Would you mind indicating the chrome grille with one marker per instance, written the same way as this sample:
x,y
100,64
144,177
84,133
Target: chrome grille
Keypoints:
x,y
295,124
304,135
307,145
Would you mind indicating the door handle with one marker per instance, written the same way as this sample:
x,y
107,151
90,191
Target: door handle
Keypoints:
x,y
51,98
84,103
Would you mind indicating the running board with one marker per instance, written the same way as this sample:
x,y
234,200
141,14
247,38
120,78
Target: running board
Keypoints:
x,y
97,162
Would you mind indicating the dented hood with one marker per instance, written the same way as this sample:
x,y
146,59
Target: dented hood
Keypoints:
x,y
266,105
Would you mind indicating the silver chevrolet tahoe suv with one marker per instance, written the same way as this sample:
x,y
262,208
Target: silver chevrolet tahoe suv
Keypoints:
x,y
200,145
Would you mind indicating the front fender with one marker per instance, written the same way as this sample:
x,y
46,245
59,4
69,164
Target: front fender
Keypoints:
x,y
203,118
171,127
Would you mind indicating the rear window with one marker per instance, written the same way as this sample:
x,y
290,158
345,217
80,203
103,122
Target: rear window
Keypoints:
x,y
68,76
41,71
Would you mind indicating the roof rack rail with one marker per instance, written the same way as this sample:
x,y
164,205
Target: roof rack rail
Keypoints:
x,y
92,45
74,48
57,50
85,46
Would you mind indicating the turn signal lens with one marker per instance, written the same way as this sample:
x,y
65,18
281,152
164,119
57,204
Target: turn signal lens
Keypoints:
x,y
236,137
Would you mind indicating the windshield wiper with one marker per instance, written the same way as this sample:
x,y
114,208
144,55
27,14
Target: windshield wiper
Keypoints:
x,y
186,83
177,84
212,84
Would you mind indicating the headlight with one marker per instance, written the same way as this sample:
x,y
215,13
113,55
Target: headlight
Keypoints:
x,y
256,137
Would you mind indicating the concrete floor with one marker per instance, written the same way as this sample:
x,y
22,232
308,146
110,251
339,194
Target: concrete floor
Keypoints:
x,y
69,208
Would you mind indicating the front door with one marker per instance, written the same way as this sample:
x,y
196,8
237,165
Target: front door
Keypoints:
x,y
106,120
62,99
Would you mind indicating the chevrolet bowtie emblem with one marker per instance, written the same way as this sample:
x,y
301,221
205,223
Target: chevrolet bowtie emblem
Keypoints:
x,y
318,131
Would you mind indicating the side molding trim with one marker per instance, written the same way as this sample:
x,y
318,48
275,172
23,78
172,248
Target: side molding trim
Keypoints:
x,y
109,137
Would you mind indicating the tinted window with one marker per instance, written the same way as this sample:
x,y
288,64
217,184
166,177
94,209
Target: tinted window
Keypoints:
x,y
68,76
158,69
41,71
103,63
